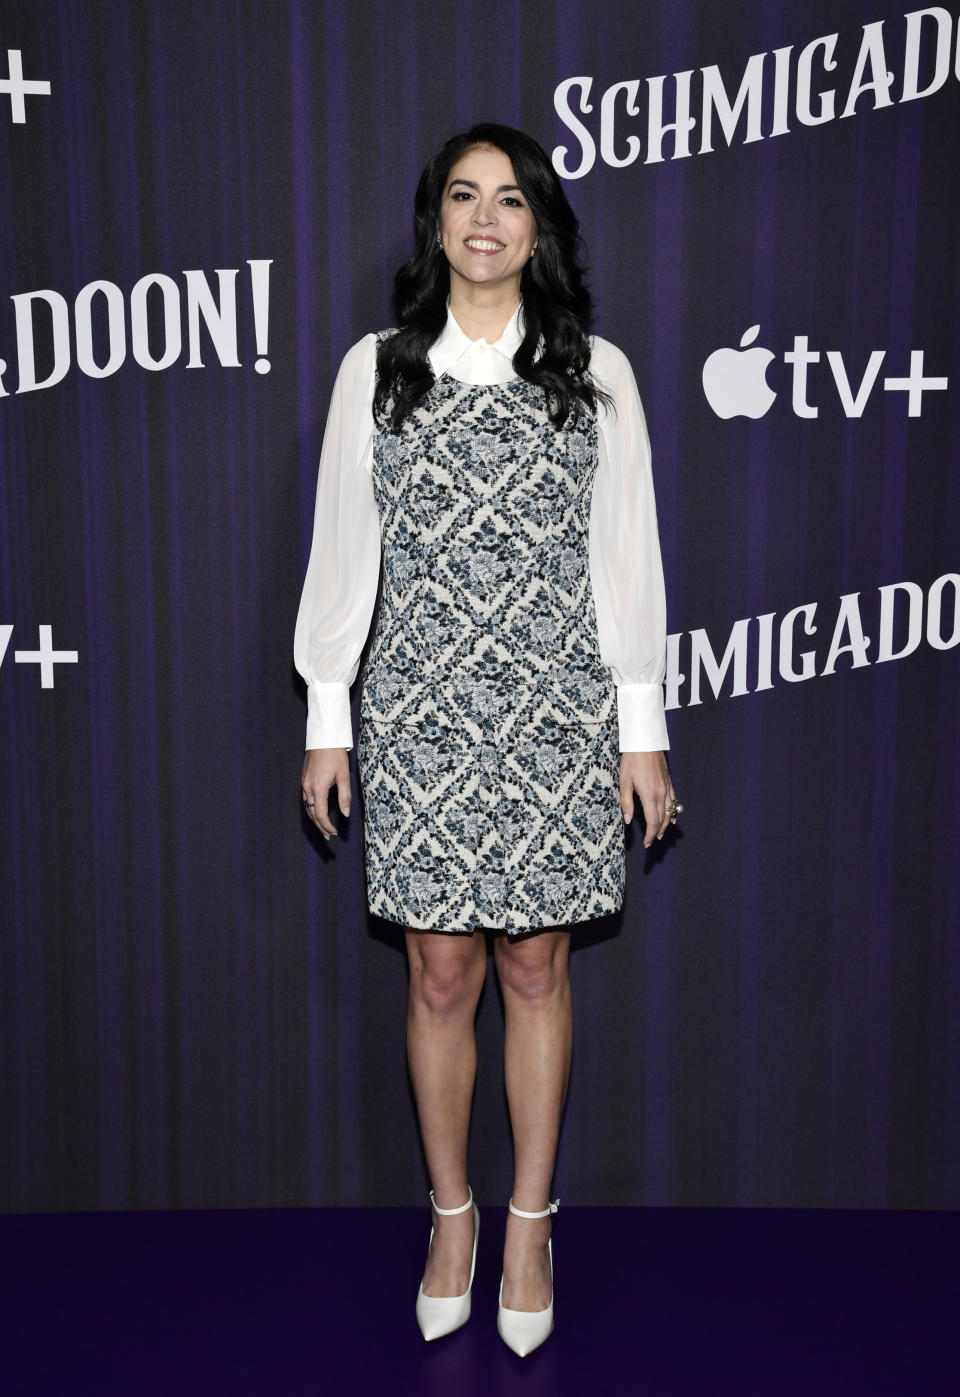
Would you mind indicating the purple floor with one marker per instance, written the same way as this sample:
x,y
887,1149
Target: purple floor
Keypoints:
x,y
661,1301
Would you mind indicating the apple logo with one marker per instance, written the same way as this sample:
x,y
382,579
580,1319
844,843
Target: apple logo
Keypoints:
x,y
735,380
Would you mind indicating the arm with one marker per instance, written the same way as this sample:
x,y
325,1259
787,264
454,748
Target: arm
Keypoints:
x,y
340,587
627,577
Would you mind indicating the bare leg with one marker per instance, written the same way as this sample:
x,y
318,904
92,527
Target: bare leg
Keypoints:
x,y
538,1006
446,976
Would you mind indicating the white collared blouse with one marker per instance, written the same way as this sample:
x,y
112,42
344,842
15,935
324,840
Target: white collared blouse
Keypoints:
x,y
340,588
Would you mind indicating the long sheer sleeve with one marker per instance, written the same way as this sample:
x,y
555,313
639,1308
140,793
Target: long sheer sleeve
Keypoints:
x,y
625,565
340,588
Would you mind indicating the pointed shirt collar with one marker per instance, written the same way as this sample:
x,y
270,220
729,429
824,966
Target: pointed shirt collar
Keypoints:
x,y
453,342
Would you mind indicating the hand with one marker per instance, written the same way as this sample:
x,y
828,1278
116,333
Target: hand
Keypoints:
x,y
646,774
324,767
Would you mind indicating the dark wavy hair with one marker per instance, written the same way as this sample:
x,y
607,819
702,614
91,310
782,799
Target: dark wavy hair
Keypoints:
x,y
556,302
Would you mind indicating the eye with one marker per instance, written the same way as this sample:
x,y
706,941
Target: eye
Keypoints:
x,y
459,195
513,201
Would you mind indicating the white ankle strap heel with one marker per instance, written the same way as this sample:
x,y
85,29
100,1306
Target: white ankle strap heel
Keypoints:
x,y
525,1330
441,1314
449,1212
544,1212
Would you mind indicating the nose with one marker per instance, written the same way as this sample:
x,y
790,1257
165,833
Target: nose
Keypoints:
x,y
484,213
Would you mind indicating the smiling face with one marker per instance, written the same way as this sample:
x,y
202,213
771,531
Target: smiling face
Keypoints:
x,y
487,226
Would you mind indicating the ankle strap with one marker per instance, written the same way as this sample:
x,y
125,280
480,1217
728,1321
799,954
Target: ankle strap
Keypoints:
x,y
550,1208
448,1211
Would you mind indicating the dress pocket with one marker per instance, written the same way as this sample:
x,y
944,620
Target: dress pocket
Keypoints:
x,y
573,700
400,702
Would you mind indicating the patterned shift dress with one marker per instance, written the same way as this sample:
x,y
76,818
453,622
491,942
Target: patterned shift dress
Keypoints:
x,y
488,746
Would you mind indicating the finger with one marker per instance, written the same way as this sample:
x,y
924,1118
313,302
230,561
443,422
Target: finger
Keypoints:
x,y
322,817
652,816
626,800
343,792
315,804
655,810
310,807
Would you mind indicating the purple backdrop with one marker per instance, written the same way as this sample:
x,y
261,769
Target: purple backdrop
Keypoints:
x,y
197,1010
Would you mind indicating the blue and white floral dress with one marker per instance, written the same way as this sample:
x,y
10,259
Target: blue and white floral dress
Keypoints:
x,y
488,741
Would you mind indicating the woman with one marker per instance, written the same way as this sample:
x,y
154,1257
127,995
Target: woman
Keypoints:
x,y
512,708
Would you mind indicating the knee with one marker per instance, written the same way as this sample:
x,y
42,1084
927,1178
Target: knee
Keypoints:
x,y
446,987
531,978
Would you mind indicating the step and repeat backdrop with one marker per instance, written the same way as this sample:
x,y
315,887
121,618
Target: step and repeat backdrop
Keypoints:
x,y
204,208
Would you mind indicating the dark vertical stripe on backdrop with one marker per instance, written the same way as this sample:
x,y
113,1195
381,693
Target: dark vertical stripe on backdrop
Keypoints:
x,y
660,269
885,803
308,159
745,991
101,914
341,156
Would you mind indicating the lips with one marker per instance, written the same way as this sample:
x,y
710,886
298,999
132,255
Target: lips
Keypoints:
x,y
486,246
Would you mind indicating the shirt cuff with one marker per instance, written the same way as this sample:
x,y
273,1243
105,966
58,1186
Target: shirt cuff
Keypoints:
x,y
643,722
328,716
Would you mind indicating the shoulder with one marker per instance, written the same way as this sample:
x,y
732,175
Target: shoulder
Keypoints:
x,y
363,354
609,365
359,354
358,365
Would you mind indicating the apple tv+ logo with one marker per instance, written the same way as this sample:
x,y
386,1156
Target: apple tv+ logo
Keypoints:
x,y
735,380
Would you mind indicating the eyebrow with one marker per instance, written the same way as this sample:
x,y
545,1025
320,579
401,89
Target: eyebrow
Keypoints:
x,y
473,185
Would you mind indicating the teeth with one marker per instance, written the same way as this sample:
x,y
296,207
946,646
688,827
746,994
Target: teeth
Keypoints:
x,y
485,244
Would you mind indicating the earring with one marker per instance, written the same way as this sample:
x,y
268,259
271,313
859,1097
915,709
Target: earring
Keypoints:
x,y
439,241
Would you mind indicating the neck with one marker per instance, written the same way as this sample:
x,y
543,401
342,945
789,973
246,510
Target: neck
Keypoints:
x,y
483,310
